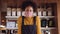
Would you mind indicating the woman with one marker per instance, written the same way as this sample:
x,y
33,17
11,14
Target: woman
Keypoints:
x,y
29,24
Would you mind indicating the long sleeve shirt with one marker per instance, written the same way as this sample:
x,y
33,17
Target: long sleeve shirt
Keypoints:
x,y
29,21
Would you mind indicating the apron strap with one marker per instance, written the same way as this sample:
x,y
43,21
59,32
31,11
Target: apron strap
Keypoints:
x,y
34,20
22,20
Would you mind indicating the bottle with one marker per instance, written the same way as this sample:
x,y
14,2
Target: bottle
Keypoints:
x,y
47,23
43,22
51,23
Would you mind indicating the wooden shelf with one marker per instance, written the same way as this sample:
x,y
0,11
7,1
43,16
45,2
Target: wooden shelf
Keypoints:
x,y
15,17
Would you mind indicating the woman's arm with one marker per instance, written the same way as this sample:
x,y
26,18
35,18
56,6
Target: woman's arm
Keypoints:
x,y
38,23
19,21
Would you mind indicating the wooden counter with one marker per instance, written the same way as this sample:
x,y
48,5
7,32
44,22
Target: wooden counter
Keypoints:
x,y
2,28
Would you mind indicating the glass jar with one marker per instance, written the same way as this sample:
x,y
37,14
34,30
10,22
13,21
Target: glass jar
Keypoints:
x,y
18,11
44,12
13,11
8,11
49,11
34,14
23,13
40,11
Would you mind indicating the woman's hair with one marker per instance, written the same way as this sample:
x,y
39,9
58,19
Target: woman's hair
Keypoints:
x,y
28,3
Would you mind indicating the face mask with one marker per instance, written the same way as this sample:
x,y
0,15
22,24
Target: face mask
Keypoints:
x,y
28,14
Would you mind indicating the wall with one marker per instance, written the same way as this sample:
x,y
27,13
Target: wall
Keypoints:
x,y
17,3
58,14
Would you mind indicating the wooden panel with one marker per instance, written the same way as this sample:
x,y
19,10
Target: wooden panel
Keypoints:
x,y
0,17
19,2
58,13
3,5
53,31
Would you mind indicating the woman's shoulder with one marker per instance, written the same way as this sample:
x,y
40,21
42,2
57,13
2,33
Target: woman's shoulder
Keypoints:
x,y
37,17
20,17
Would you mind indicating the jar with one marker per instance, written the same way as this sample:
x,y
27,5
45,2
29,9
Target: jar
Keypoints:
x,y
49,11
44,12
8,11
40,11
18,11
23,13
13,11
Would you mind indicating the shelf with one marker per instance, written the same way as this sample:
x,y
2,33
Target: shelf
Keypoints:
x,y
15,17
43,28
46,17
12,17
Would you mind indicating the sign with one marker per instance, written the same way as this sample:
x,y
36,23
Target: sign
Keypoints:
x,y
11,24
